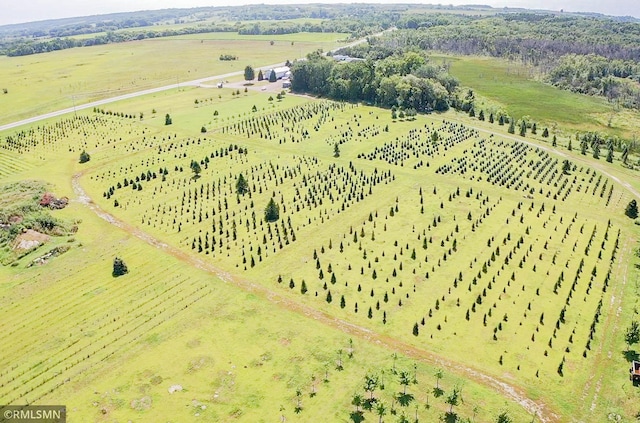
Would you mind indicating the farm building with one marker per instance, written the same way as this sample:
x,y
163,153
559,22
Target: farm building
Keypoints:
x,y
280,72
346,59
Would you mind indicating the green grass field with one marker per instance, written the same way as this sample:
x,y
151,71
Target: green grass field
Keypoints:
x,y
515,89
435,243
479,243
48,82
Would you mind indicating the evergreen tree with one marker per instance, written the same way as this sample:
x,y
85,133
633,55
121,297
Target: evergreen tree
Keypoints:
x,y
272,211
416,330
249,73
569,145
632,209
554,142
491,120
481,115
596,150
501,120
610,154
534,128
272,76
566,167
119,267
583,147
242,187
523,128
625,153
632,335
196,169
504,418
167,119
336,150
545,133
260,75
84,157
512,127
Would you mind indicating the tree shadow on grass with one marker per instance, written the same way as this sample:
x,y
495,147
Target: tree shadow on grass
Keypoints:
x,y
631,355
356,416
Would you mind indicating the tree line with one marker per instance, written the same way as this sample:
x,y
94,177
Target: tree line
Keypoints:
x,y
26,47
590,55
406,80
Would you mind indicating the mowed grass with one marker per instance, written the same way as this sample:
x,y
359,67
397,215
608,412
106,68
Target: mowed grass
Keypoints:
x,y
110,348
514,88
528,365
290,157
47,82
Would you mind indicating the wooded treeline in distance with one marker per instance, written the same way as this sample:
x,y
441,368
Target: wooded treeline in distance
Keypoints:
x,y
594,56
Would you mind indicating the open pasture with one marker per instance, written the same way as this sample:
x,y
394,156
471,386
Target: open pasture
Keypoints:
x,y
46,82
424,231
508,86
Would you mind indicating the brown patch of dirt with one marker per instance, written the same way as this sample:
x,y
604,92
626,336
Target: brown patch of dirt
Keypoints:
x,y
30,239
15,219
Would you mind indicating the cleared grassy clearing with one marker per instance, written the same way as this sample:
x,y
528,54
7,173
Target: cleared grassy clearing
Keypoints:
x,y
513,88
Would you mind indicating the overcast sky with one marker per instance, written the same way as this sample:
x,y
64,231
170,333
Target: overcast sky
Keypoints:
x,y
17,11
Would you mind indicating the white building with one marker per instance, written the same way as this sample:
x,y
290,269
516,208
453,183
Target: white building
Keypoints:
x,y
280,72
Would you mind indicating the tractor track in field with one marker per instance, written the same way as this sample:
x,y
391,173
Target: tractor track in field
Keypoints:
x,y
538,408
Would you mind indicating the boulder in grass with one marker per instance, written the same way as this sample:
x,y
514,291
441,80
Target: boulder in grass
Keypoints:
x,y
175,388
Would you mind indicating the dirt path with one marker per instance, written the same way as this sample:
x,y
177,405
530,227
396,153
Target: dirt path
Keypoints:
x,y
543,413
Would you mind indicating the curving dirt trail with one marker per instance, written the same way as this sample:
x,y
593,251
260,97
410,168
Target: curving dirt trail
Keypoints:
x,y
538,408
